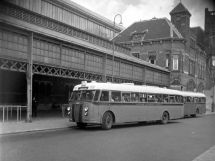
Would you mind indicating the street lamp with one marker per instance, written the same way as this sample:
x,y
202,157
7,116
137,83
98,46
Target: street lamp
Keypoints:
x,y
114,24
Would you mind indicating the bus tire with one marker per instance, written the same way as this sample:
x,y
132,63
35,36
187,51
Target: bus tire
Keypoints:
x,y
165,118
107,121
81,125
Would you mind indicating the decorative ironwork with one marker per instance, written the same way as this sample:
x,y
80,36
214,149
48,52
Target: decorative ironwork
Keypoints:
x,y
19,66
12,65
120,80
66,73
15,65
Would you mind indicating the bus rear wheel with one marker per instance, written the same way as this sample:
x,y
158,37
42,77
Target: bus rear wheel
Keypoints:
x,y
165,118
107,121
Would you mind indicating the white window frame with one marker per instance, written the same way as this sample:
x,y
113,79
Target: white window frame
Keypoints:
x,y
175,62
213,62
167,62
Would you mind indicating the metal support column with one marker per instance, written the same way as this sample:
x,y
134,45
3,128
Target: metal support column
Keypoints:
x,y
29,76
213,101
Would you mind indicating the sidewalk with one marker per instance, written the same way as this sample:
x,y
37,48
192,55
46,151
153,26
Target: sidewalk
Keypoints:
x,y
41,124
38,124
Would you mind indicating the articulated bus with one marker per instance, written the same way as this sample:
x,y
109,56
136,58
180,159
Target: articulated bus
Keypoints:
x,y
194,103
108,103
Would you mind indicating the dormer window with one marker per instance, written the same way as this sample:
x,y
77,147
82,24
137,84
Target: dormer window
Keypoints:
x,y
138,36
137,55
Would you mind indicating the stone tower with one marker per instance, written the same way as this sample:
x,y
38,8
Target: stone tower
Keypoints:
x,y
180,17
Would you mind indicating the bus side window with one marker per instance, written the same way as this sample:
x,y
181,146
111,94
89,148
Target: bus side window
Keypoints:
x,y
104,96
143,97
115,96
166,98
179,99
172,99
134,97
195,100
96,96
202,100
184,99
188,99
151,98
126,97
159,98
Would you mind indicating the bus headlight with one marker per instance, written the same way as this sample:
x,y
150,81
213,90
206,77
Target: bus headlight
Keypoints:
x,y
86,111
68,108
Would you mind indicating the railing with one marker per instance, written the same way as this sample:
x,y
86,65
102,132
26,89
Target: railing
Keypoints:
x,y
7,111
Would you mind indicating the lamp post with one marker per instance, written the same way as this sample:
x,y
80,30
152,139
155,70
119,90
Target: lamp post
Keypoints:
x,y
114,24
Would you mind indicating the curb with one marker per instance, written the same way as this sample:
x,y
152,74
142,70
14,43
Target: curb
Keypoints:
x,y
34,130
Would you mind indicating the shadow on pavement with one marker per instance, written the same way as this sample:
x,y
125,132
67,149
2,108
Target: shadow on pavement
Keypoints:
x,y
124,125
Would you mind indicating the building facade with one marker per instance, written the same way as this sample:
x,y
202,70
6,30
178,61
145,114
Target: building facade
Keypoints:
x,y
210,40
48,46
210,48
172,45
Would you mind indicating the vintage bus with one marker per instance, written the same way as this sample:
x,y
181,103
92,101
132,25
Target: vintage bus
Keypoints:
x,y
108,103
194,103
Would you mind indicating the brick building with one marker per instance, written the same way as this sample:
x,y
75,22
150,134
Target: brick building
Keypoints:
x,y
170,44
210,39
210,48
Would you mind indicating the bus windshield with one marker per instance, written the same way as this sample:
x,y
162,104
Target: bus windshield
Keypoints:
x,y
83,95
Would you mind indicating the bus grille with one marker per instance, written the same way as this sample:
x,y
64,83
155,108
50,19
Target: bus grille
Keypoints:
x,y
77,112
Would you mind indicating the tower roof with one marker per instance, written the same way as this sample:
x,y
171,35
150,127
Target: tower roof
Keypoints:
x,y
180,8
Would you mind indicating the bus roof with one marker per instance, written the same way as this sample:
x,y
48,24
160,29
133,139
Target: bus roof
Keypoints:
x,y
192,94
125,87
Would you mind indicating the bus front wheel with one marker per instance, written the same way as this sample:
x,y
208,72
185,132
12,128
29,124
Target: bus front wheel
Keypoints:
x,y
107,121
165,118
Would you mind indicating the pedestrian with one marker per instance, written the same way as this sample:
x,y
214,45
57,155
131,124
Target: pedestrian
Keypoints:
x,y
34,107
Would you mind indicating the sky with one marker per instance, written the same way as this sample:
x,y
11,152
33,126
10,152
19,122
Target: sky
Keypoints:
x,y
139,10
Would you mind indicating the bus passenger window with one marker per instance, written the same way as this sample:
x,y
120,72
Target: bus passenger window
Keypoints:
x,y
172,99
151,98
126,97
184,99
158,98
115,97
96,95
104,96
143,97
134,97
165,98
189,99
203,100
178,99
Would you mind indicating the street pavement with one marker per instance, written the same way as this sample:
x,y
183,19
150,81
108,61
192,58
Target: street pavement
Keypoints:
x,y
182,140
41,124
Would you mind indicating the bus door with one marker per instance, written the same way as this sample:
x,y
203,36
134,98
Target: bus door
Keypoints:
x,y
104,102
